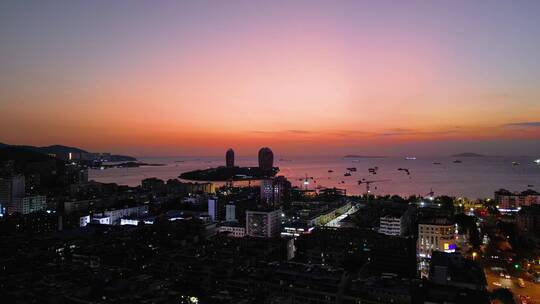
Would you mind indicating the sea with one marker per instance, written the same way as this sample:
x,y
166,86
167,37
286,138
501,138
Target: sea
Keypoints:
x,y
469,177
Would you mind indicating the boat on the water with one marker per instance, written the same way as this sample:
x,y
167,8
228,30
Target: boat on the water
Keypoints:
x,y
457,161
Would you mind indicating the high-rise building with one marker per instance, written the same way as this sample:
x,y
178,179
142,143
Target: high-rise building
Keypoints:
x,y
264,223
76,174
230,213
12,190
528,220
274,191
7,168
266,159
213,208
229,158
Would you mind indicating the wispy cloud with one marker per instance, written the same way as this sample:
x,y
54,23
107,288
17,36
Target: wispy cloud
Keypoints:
x,y
299,131
401,132
349,133
261,132
360,133
282,132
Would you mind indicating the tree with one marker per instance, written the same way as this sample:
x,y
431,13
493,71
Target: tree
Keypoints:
x,y
504,295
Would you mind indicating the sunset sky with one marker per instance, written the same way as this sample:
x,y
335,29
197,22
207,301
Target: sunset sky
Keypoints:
x,y
303,77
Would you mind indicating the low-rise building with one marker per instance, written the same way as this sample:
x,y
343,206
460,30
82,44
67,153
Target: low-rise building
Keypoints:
x,y
452,269
233,229
513,200
113,217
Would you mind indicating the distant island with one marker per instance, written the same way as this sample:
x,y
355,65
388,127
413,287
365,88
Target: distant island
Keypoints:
x,y
129,165
363,156
229,173
468,154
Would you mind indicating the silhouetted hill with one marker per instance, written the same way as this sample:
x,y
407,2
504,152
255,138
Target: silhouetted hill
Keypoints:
x,y
54,149
64,150
26,161
21,154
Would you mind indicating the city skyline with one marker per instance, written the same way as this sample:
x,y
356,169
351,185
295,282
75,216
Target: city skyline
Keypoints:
x,y
195,78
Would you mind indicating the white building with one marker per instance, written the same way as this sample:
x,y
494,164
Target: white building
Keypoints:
x,y
113,217
436,235
234,229
390,225
32,204
263,223
84,220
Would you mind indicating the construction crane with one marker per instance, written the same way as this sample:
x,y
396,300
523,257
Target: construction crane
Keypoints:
x,y
306,182
431,194
368,183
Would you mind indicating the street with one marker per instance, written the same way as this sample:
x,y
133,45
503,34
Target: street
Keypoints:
x,y
335,222
531,289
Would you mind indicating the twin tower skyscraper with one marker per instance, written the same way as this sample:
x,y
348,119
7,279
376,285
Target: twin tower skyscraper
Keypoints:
x,y
266,159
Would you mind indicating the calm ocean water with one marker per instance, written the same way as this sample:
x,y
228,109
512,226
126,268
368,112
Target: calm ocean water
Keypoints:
x,y
473,178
